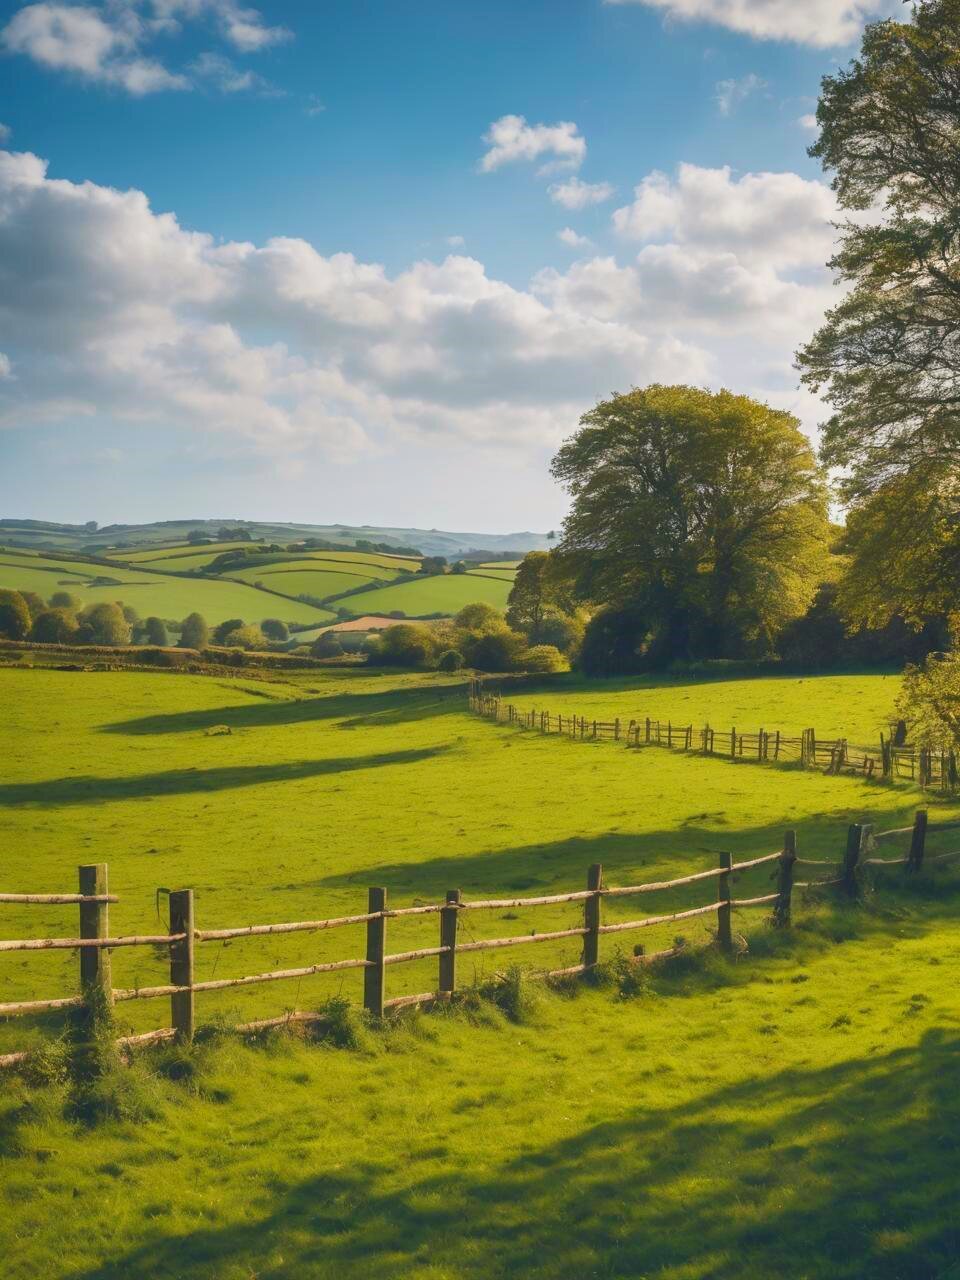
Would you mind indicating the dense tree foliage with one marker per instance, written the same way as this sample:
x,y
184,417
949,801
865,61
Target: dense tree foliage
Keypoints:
x,y
274,629
14,615
700,517
54,626
931,698
104,623
155,631
195,633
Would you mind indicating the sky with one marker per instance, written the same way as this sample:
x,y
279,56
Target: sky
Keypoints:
x,y
366,261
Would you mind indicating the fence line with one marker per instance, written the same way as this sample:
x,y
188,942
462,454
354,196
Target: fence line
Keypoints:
x,y
94,942
919,764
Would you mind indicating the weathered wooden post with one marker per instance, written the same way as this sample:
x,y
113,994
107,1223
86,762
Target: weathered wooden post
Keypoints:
x,y
851,858
648,730
374,976
918,839
591,917
724,929
181,965
448,938
616,729
95,923
781,910
733,742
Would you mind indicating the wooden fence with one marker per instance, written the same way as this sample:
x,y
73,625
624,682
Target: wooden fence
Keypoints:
x,y
94,942
931,769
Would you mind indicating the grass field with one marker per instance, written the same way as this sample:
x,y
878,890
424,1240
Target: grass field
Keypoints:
x,y
319,582
789,1115
152,593
447,594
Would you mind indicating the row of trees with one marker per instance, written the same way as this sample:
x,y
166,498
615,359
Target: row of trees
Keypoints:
x,y
479,637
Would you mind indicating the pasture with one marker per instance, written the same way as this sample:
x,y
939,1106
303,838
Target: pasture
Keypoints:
x,y
804,1088
443,595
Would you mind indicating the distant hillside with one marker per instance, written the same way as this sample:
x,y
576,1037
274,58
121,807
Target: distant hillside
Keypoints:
x,y
41,534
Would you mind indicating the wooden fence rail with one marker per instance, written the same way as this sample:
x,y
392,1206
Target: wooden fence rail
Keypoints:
x,y
94,942
920,764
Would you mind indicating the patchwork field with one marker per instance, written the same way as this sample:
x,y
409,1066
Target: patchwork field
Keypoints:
x,y
446,595
152,593
695,1089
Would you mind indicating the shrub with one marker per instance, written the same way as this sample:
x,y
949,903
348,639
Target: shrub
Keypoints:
x,y
542,658
195,634
326,645
479,617
613,643
512,992
450,660
131,615
223,629
406,645
14,615
500,650
249,637
561,630
64,600
53,626
107,624
33,602
274,629
155,632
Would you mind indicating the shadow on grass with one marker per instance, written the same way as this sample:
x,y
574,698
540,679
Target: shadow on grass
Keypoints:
x,y
89,790
845,1172
356,709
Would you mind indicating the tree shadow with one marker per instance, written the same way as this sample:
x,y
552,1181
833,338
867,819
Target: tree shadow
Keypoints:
x,y
844,1171
357,710
91,790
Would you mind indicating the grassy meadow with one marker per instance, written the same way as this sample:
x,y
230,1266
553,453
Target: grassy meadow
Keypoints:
x,y
443,595
785,1114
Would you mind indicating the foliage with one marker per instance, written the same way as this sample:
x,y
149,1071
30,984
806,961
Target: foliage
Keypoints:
x,y
542,658
327,645
614,642
247,637
274,629
34,602
888,358
54,626
14,615
704,514
105,624
223,629
931,698
823,638
406,645
65,600
194,634
155,631
564,631
540,592
450,660
494,649
479,617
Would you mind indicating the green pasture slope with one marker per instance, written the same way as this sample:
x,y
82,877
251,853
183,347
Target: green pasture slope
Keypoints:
x,y
446,595
152,593
791,1114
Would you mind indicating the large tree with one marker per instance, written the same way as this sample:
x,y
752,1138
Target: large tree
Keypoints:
x,y
887,358
704,514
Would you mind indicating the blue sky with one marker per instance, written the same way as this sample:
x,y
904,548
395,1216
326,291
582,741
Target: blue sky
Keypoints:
x,y
260,332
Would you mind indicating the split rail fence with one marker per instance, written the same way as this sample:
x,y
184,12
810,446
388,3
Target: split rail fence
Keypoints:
x,y
931,769
94,942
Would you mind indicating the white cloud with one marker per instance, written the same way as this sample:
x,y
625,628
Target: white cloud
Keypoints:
x,y
572,239
314,106
730,93
575,194
815,22
229,78
808,121
511,139
6,366
5,132
103,44
456,242
777,218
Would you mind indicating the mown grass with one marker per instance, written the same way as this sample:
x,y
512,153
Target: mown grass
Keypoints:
x,y
789,1114
445,594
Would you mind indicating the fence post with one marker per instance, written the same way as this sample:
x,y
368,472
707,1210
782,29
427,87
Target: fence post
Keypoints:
x,y
616,729
781,910
724,931
733,742
851,858
918,839
95,923
648,730
591,917
374,976
181,965
448,938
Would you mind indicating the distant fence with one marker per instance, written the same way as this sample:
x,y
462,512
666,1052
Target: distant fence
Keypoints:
x,y
94,942
931,769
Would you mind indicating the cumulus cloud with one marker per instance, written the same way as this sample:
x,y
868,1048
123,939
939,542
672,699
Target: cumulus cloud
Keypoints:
x,y
730,93
815,22
105,44
511,139
5,132
575,194
456,242
572,239
808,121
215,69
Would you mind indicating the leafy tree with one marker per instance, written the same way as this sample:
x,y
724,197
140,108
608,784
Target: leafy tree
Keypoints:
x,y
542,658
327,645
223,629
406,645
459,568
194,634
248,637
563,631
131,615
14,615
702,515
197,537
433,564
155,632
494,650
106,624
450,660
274,629
64,600
888,356
613,642
479,617
538,587
54,626
931,697
34,602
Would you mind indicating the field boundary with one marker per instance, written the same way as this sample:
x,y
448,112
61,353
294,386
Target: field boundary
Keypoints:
x,y
94,942
924,765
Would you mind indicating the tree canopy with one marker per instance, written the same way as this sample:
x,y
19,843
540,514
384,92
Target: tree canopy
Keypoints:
x,y
701,516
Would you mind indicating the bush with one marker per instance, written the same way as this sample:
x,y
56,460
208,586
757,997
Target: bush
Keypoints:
x,y
406,645
479,617
450,660
34,603
53,626
250,637
195,634
542,658
106,623
223,629
562,631
64,600
613,643
14,615
155,632
274,629
326,645
500,650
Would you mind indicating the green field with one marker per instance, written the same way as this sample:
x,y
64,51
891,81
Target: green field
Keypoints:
x,y
152,593
736,1121
447,595
319,583
181,557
